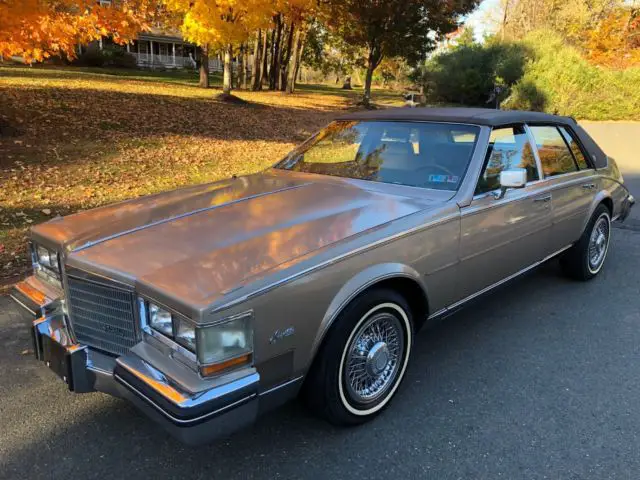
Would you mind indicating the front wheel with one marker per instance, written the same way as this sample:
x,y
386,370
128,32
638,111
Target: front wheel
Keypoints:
x,y
586,258
363,359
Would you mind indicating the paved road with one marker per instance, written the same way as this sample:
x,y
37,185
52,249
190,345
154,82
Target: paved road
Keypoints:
x,y
539,381
621,140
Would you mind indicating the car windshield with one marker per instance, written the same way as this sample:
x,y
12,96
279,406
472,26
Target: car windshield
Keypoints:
x,y
417,154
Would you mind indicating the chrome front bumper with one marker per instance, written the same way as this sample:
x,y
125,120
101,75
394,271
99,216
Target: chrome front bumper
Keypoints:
x,y
627,204
194,410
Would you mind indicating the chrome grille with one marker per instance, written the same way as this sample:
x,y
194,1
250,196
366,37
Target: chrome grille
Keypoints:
x,y
102,316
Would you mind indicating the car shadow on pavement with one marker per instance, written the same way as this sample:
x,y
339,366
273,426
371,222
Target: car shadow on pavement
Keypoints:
x,y
471,377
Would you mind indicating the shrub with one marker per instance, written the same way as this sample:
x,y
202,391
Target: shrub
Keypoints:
x,y
91,57
109,56
541,72
572,86
468,74
119,57
525,95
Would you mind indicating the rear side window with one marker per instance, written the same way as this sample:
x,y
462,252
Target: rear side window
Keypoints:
x,y
555,156
509,148
575,148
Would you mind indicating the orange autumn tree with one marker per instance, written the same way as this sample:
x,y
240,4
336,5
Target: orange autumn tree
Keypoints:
x,y
38,29
222,24
615,42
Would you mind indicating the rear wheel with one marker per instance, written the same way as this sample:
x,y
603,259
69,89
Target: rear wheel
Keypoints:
x,y
586,258
363,359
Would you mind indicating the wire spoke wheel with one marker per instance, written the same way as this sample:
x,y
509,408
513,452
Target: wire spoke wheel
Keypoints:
x,y
374,358
598,243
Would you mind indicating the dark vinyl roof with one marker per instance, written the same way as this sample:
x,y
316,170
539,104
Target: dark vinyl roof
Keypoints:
x,y
476,116
482,116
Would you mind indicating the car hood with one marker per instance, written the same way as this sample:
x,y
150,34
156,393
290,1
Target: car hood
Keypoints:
x,y
198,243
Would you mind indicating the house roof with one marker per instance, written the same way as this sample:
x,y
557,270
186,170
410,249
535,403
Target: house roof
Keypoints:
x,y
161,34
476,116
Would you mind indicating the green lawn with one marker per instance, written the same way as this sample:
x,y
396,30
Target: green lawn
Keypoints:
x,y
75,138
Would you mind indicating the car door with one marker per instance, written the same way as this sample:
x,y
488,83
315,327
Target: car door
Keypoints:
x,y
569,179
502,236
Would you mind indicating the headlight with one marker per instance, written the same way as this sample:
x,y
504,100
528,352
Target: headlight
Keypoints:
x,y
44,257
160,320
185,334
226,340
46,263
217,347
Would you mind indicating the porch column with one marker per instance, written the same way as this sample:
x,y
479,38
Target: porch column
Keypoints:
x,y
128,48
151,50
174,53
100,43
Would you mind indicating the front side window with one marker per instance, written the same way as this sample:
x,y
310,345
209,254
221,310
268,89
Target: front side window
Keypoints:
x,y
508,148
575,148
417,154
555,156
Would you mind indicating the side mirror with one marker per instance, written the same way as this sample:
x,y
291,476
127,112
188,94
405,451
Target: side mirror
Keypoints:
x,y
514,178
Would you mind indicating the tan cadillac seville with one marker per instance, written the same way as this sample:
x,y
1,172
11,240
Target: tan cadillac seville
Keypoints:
x,y
208,305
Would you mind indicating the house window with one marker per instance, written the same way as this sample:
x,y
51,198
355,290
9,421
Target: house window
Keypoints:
x,y
105,3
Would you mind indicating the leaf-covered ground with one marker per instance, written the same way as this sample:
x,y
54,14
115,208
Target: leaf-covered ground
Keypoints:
x,y
74,139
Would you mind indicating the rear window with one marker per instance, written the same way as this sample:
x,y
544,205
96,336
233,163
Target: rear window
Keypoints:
x,y
428,155
575,148
555,156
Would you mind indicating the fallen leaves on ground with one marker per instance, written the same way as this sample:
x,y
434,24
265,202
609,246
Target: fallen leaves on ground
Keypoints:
x,y
71,141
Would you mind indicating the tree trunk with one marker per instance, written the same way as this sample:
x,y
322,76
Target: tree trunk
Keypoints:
x,y
241,73
503,26
285,64
275,56
303,40
293,63
246,72
374,59
227,76
255,75
265,61
272,42
204,67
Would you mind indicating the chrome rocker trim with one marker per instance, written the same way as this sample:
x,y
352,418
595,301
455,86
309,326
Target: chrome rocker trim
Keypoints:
x,y
457,305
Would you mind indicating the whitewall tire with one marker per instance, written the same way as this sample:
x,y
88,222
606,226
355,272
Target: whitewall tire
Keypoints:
x,y
363,360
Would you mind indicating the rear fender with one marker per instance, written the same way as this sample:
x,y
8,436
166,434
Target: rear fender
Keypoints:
x,y
600,197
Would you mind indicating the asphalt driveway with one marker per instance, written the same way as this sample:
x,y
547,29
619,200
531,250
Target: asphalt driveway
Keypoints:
x,y
541,380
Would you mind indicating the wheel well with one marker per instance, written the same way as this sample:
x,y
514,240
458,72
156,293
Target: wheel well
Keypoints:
x,y
607,202
408,288
411,291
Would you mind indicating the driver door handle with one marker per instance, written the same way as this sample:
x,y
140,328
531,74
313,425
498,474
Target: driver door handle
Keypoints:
x,y
588,186
544,199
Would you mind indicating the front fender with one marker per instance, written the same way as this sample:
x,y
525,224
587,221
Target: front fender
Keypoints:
x,y
356,285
